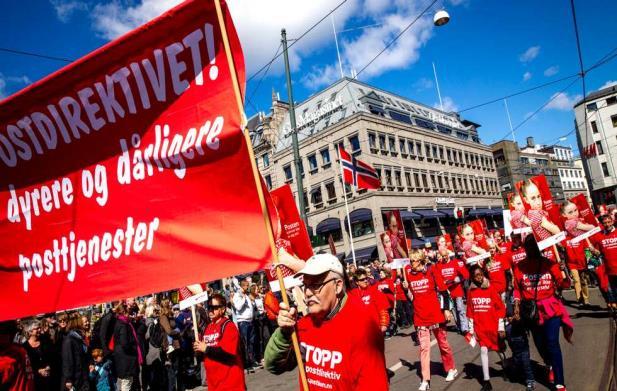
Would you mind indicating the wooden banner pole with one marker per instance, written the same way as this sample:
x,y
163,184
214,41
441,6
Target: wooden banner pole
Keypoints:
x,y
256,177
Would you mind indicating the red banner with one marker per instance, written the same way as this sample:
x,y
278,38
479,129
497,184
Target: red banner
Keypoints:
x,y
290,225
127,173
578,218
393,239
541,213
473,241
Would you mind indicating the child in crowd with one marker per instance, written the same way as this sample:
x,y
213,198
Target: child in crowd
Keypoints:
x,y
100,372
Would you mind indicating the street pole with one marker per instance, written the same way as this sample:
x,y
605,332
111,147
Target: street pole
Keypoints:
x,y
294,133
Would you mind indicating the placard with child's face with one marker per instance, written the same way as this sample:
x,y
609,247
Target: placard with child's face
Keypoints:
x,y
541,213
445,241
578,219
396,232
516,214
473,241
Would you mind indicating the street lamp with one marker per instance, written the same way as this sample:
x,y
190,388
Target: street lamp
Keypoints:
x,y
441,17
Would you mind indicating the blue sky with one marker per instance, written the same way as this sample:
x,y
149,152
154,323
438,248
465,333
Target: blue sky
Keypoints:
x,y
488,50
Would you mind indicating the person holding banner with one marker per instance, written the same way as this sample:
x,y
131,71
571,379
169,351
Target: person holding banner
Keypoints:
x,y
336,356
221,349
539,218
486,312
536,280
431,313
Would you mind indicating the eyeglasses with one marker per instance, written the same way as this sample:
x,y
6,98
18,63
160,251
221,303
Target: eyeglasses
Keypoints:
x,y
316,288
361,279
213,307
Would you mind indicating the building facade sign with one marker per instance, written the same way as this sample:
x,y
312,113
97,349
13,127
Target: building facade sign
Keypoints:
x,y
440,201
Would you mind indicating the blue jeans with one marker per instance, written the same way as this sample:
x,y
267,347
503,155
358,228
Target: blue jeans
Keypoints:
x,y
517,339
247,333
546,338
461,315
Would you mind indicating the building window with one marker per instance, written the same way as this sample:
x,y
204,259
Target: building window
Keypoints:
x,y
408,179
441,156
614,120
594,127
331,191
605,170
611,100
316,198
397,178
434,151
592,106
325,156
265,159
449,154
372,141
355,143
392,144
427,150
401,145
440,181
306,201
388,177
268,180
312,159
382,142
599,147
411,145
338,146
433,183
419,148
287,171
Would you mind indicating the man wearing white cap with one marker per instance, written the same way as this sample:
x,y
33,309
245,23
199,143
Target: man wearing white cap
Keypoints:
x,y
341,343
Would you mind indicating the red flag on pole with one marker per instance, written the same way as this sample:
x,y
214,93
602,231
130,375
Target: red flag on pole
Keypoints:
x,y
127,172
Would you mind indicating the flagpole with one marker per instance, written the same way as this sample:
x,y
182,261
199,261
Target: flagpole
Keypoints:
x,y
353,252
256,177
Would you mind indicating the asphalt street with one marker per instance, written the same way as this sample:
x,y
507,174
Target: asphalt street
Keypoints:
x,y
585,361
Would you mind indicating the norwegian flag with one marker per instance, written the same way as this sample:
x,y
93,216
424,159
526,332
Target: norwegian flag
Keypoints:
x,y
358,173
190,290
590,151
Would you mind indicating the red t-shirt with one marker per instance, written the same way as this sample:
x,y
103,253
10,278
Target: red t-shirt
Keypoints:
x,y
485,307
607,244
224,334
504,247
497,271
526,274
576,255
399,292
15,369
424,285
449,271
377,301
518,256
386,286
345,352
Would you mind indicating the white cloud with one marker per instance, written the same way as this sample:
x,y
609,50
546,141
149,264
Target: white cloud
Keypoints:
x,y
609,83
562,101
526,76
10,84
321,76
551,71
19,79
66,8
423,84
530,54
448,104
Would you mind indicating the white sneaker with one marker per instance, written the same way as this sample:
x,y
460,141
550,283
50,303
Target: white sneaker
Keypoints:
x,y
452,373
424,386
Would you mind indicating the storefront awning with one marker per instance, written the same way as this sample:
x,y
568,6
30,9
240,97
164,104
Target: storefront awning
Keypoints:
x,y
428,213
408,215
359,215
363,254
495,212
328,225
479,212
449,212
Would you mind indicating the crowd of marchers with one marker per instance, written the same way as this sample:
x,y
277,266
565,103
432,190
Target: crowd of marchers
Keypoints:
x,y
502,303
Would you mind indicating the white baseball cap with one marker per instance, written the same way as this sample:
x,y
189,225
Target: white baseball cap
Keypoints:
x,y
320,264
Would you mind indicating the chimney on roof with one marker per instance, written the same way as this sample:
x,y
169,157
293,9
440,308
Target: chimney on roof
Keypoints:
x,y
530,142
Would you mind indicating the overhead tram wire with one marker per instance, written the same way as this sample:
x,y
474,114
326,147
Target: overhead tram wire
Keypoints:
x,y
249,98
37,55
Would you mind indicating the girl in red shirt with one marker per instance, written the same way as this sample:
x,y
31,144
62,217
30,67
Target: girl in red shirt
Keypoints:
x,y
430,314
536,279
486,313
